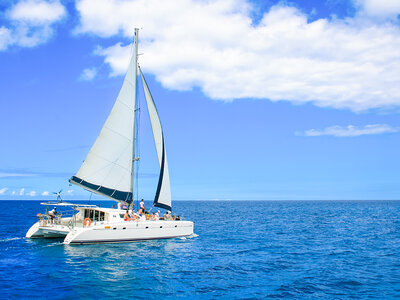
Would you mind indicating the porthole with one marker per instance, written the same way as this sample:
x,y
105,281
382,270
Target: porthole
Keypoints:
x,y
160,226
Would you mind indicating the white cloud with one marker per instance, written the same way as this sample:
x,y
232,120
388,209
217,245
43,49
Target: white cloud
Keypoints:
x,y
3,190
215,46
5,38
22,192
379,8
350,131
13,193
45,193
70,192
31,23
88,74
32,193
12,174
37,12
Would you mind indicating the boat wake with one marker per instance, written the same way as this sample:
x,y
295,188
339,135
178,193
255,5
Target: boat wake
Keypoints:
x,y
11,239
193,235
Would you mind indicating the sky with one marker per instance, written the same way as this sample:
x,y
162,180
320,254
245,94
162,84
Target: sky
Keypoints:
x,y
259,100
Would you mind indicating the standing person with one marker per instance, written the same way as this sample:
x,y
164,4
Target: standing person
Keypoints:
x,y
142,205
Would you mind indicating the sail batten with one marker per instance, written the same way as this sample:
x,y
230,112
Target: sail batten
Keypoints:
x,y
163,194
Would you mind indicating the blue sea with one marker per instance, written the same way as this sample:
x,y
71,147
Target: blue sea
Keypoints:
x,y
244,249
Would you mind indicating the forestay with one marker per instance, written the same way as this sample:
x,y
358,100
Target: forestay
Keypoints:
x,y
107,169
163,194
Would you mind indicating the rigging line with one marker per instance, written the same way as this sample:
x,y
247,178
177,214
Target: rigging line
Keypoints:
x,y
137,150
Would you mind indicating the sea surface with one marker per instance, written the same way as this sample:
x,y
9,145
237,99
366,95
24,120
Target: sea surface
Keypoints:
x,y
244,249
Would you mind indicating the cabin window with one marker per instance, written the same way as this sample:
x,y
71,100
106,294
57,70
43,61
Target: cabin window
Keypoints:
x,y
94,215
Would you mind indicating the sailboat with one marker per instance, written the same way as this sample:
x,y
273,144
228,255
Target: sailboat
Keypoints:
x,y
109,170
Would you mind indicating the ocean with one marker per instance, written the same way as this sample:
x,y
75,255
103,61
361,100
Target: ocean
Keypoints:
x,y
243,249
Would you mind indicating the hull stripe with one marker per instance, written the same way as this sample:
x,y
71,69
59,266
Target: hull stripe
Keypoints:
x,y
123,240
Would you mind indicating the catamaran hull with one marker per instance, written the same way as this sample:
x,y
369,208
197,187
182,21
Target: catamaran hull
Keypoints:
x,y
37,231
129,232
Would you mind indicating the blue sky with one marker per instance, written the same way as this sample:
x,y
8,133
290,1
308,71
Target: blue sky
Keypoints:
x,y
259,100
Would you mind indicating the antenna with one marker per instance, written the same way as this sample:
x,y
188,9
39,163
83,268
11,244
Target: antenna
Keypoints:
x,y
59,198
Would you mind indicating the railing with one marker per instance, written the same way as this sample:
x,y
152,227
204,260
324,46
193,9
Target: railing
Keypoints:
x,y
48,220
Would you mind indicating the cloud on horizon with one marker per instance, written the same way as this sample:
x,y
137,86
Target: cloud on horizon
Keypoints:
x,y
17,173
351,131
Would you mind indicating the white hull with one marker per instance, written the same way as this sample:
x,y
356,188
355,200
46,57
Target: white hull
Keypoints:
x,y
120,232
50,231
129,231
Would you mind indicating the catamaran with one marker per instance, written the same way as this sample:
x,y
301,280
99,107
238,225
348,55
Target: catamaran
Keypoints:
x,y
109,170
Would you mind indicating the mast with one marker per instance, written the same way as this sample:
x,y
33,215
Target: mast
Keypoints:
x,y
134,158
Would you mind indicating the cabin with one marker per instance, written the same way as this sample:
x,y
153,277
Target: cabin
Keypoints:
x,y
98,215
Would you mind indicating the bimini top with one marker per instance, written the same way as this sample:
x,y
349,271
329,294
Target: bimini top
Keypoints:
x,y
67,204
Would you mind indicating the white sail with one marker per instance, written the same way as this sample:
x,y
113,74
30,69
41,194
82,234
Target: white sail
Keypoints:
x,y
107,169
163,194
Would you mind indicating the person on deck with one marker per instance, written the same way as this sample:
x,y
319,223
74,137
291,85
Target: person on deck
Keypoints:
x,y
127,217
52,214
142,205
167,216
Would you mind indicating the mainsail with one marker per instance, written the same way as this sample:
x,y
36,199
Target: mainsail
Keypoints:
x,y
163,194
107,169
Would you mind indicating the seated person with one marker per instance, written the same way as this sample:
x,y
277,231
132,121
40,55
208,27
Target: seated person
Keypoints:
x,y
52,213
127,216
167,216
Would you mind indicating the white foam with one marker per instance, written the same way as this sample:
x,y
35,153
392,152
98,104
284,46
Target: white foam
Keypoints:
x,y
11,239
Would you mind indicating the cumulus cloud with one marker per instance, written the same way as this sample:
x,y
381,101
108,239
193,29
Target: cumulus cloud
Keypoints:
x,y
37,11
22,192
30,23
70,192
45,193
13,193
3,191
88,74
350,131
214,45
379,8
